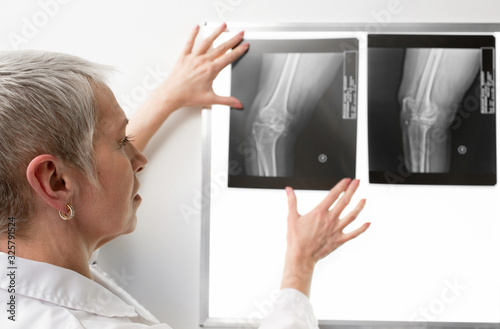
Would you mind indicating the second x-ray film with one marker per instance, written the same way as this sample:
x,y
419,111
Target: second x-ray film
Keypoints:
x,y
431,109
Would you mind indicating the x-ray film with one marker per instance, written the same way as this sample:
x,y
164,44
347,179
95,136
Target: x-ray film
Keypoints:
x,y
431,109
298,125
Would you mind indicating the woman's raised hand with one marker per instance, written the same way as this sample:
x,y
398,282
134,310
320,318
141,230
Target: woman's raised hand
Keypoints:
x,y
190,82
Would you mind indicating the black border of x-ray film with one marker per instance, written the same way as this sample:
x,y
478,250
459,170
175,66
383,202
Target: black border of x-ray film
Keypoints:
x,y
349,46
477,168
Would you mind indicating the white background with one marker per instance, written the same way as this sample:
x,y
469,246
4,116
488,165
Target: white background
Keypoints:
x,y
159,263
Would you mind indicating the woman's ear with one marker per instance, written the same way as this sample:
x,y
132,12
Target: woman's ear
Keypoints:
x,y
51,179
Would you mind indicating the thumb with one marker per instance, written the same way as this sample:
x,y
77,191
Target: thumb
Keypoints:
x,y
292,202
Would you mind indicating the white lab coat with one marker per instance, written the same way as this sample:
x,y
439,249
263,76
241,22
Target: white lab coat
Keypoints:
x,y
48,297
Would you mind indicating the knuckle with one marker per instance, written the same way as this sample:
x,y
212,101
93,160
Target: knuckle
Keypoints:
x,y
317,213
198,61
343,202
350,218
346,220
210,69
204,44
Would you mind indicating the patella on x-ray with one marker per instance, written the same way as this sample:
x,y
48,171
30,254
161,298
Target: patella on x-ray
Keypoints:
x,y
432,109
298,126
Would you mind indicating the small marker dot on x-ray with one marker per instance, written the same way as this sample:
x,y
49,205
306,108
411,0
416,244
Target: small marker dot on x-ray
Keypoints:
x,y
322,158
462,149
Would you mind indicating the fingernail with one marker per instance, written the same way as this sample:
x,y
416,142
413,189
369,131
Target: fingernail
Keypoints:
x,y
288,190
242,33
238,105
223,26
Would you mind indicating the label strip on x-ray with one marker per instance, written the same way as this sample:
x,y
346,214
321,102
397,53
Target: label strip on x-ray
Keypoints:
x,y
487,80
350,101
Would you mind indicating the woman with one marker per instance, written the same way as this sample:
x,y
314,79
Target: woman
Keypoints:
x,y
68,185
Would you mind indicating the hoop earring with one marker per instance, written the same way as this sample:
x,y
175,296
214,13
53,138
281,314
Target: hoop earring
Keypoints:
x,y
71,212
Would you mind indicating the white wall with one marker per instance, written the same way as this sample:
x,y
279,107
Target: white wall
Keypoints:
x,y
159,263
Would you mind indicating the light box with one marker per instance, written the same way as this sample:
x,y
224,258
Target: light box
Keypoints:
x,y
430,257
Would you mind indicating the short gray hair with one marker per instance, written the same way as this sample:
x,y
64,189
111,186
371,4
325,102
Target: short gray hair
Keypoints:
x,y
47,106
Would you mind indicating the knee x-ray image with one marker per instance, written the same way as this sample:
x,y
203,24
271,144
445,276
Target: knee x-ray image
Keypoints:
x,y
431,109
298,125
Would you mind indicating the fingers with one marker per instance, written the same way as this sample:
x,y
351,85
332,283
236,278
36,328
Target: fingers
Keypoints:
x,y
230,101
346,198
190,43
352,215
292,202
334,193
230,57
207,43
356,232
220,50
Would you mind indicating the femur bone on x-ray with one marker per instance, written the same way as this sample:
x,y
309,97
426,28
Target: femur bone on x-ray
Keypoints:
x,y
433,85
290,87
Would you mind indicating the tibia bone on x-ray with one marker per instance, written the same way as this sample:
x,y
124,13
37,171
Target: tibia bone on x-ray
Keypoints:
x,y
290,88
433,85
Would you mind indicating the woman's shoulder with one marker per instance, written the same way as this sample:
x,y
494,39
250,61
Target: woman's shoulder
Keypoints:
x,y
27,312
41,295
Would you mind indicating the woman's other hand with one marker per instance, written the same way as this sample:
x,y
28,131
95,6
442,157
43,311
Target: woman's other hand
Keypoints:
x,y
316,234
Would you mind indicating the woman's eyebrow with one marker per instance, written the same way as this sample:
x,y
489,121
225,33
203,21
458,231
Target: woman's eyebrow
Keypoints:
x,y
125,123
118,129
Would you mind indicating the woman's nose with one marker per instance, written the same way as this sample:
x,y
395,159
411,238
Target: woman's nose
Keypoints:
x,y
139,161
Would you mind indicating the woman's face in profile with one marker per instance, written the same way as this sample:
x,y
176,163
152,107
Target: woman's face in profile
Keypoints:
x,y
111,211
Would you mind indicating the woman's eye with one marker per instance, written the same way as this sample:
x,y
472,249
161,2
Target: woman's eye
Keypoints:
x,y
126,140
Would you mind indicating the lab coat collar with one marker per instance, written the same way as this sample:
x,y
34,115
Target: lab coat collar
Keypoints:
x,y
63,287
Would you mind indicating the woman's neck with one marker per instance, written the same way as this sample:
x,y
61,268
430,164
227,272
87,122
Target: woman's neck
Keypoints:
x,y
56,245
